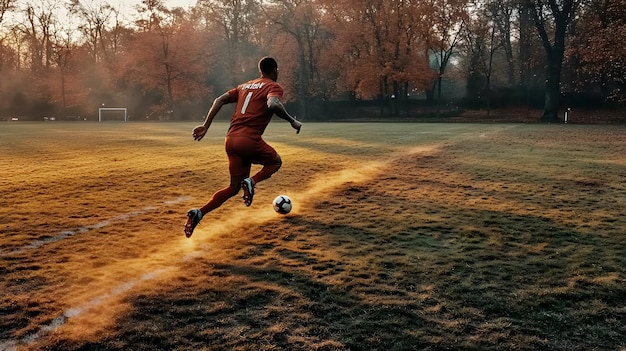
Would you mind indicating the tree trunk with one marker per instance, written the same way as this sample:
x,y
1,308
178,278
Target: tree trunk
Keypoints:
x,y
525,21
303,85
554,51
553,90
439,81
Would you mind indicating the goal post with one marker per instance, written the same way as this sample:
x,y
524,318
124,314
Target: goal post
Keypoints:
x,y
118,109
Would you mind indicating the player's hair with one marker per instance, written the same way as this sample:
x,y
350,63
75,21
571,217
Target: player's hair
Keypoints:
x,y
267,65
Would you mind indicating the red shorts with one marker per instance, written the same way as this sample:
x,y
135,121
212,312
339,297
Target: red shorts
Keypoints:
x,y
243,151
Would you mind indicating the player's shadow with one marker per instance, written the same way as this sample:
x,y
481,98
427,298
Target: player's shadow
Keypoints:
x,y
225,306
366,294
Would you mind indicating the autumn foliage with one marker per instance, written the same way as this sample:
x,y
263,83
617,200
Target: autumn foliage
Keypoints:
x,y
169,63
597,47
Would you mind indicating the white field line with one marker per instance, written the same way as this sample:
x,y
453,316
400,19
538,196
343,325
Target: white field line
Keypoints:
x,y
12,345
71,232
313,190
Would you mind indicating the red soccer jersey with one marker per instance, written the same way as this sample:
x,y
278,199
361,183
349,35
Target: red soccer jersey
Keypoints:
x,y
252,115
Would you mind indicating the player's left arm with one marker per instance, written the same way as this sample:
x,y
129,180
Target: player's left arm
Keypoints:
x,y
274,104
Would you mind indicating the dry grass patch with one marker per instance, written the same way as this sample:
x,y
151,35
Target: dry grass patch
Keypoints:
x,y
404,237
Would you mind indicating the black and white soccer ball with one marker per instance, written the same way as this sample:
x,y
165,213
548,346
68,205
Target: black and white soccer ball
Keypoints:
x,y
282,204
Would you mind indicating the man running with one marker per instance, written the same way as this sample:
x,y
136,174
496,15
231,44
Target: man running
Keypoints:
x,y
257,101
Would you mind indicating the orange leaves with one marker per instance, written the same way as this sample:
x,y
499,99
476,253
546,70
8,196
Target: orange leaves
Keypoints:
x,y
169,59
381,42
601,32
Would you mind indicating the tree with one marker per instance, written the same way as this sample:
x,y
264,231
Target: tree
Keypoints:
x,y
236,21
552,16
6,6
94,22
297,26
531,57
381,48
62,49
482,45
38,28
502,13
167,58
97,60
597,48
170,59
448,20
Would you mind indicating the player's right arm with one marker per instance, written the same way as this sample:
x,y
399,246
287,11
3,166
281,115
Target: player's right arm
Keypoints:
x,y
274,104
200,131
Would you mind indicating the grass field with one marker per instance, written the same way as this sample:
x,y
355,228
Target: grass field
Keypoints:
x,y
403,237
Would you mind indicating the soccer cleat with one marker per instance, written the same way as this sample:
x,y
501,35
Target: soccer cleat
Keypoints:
x,y
248,191
193,218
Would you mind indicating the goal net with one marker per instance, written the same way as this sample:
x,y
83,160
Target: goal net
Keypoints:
x,y
112,114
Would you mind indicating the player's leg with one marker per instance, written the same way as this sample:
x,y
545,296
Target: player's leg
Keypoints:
x,y
239,169
253,149
222,195
195,215
271,164
268,157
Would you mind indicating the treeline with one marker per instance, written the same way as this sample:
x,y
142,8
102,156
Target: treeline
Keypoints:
x,y
169,63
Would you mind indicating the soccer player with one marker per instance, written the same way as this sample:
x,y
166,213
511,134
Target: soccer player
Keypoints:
x,y
257,101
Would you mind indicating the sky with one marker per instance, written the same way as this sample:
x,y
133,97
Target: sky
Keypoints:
x,y
169,3
127,7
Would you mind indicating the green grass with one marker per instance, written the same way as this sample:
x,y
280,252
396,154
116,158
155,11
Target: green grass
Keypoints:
x,y
403,237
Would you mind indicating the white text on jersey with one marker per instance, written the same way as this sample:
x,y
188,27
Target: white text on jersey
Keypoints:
x,y
252,86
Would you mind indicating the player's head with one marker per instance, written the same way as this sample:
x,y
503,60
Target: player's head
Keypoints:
x,y
268,68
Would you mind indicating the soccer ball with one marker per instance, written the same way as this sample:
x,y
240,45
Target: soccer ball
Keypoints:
x,y
282,204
